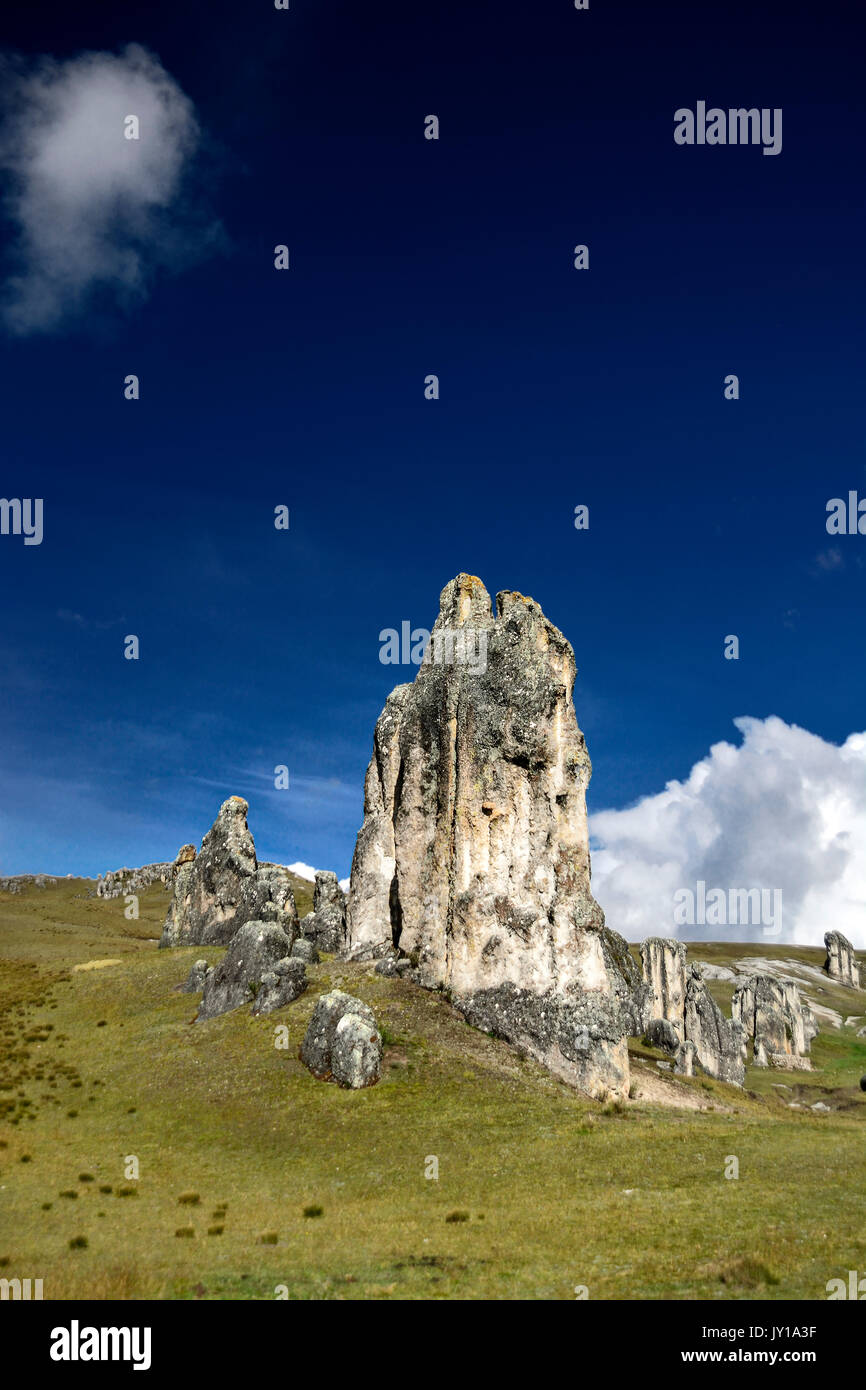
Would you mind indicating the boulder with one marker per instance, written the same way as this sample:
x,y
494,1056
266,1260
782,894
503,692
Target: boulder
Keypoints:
x,y
325,926
194,983
777,1021
223,887
185,855
280,986
661,1033
841,963
356,1054
473,858
253,952
305,950
317,1047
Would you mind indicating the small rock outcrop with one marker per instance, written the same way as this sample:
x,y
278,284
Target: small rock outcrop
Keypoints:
x,y
777,1021
119,882
224,886
194,983
256,949
342,1042
325,926
677,996
841,963
473,858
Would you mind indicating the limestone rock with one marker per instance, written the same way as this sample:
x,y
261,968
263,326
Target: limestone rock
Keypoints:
x,y
679,995
253,952
280,986
776,1019
194,983
325,926
841,963
356,1054
317,1047
684,1062
664,971
185,855
473,858
719,1042
223,887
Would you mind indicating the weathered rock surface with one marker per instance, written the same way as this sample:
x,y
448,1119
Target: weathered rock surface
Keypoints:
x,y
194,983
356,1051
325,926
841,963
280,986
356,1055
473,859
660,1033
777,1020
223,887
253,952
664,970
305,950
678,996
719,1042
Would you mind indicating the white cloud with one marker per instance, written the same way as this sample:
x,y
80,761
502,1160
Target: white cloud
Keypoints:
x,y
302,871
785,811
95,212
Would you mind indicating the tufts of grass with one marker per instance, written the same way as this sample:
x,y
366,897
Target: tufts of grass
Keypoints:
x,y
455,1217
78,1243
185,1232
314,1210
188,1199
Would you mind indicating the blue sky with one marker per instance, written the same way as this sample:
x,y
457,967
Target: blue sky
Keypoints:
x,y
558,387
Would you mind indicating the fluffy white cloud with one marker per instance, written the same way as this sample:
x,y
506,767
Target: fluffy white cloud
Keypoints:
x,y
784,811
95,212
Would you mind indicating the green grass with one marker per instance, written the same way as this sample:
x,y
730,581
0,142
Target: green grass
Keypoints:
x,y
544,1190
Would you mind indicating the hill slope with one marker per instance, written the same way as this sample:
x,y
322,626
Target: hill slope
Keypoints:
x,y
538,1190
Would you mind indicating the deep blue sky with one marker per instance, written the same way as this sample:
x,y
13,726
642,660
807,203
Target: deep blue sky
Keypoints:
x,y
558,387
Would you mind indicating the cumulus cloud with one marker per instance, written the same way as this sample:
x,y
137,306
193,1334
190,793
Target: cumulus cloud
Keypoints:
x,y
783,812
96,213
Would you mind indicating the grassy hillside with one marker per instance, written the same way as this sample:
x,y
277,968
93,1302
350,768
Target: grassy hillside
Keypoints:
x,y
253,1175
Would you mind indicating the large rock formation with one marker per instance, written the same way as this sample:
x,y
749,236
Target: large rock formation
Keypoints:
x,y
664,971
325,926
225,886
257,960
841,963
473,859
681,1015
718,1041
776,1019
